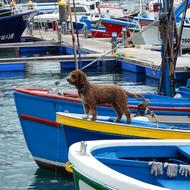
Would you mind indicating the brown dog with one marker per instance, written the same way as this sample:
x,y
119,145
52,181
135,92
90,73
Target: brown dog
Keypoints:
x,y
93,94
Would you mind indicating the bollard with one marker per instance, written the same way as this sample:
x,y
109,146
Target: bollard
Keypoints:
x,y
46,26
124,37
180,50
64,27
59,33
85,34
114,42
30,28
63,15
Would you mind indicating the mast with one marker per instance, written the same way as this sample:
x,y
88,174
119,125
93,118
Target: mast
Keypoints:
x,y
171,37
73,35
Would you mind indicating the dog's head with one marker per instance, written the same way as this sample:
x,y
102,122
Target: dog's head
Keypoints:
x,y
77,78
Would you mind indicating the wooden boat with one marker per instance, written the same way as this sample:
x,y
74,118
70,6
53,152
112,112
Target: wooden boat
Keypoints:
x,y
29,100
13,23
105,127
46,139
131,164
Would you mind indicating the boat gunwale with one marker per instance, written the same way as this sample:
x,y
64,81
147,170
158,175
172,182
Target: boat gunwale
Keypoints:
x,y
75,98
77,159
122,129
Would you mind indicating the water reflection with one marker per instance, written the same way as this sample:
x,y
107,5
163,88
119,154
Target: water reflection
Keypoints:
x,y
45,179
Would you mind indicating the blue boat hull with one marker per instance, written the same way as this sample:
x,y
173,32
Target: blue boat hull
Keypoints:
x,y
47,141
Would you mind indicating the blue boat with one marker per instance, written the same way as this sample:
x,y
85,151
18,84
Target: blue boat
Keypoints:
x,y
47,140
13,24
131,164
45,105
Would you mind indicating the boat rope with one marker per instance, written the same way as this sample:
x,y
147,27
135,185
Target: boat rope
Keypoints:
x,y
119,45
143,110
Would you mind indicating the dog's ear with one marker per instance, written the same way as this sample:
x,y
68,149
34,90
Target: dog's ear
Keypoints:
x,y
83,77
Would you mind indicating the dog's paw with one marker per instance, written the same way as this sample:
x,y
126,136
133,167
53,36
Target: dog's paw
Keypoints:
x,y
86,116
116,120
128,121
93,119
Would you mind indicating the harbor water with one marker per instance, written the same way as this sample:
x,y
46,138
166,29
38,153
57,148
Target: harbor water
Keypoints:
x,y
18,171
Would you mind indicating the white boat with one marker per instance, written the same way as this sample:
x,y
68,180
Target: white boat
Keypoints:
x,y
131,164
86,8
149,24
151,34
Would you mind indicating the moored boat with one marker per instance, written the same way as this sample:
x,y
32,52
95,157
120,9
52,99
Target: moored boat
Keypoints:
x,y
105,127
131,164
14,23
48,104
48,140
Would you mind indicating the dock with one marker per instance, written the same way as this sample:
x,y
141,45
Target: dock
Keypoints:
x,y
139,59
141,55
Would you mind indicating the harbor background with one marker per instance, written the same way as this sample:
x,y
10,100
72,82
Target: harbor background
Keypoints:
x,y
18,171
17,168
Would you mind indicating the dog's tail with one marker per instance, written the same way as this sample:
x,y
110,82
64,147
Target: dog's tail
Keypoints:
x,y
136,96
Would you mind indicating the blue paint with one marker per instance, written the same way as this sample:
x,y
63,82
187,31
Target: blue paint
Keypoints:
x,y
33,49
40,138
152,73
69,51
103,66
132,67
133,161
188,83
12,67
11,75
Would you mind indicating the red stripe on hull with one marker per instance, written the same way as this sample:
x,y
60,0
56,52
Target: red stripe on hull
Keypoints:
x,y
39,120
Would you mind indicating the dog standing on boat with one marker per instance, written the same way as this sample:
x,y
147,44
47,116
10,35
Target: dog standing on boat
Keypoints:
x,y
93,94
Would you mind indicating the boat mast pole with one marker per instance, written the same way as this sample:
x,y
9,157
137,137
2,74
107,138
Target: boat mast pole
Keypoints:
x,y
77,33
169,48
73,35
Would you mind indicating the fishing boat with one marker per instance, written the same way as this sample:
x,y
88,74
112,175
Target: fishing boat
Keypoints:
x,y
86,8
131,164
113,25
75,128
150,25
151,35
13,22
48,141
43,104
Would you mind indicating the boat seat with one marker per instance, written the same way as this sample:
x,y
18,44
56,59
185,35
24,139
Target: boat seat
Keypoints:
x,y
175,184
185,150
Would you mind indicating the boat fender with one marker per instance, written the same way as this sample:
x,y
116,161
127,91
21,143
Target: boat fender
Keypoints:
x,y
68,167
